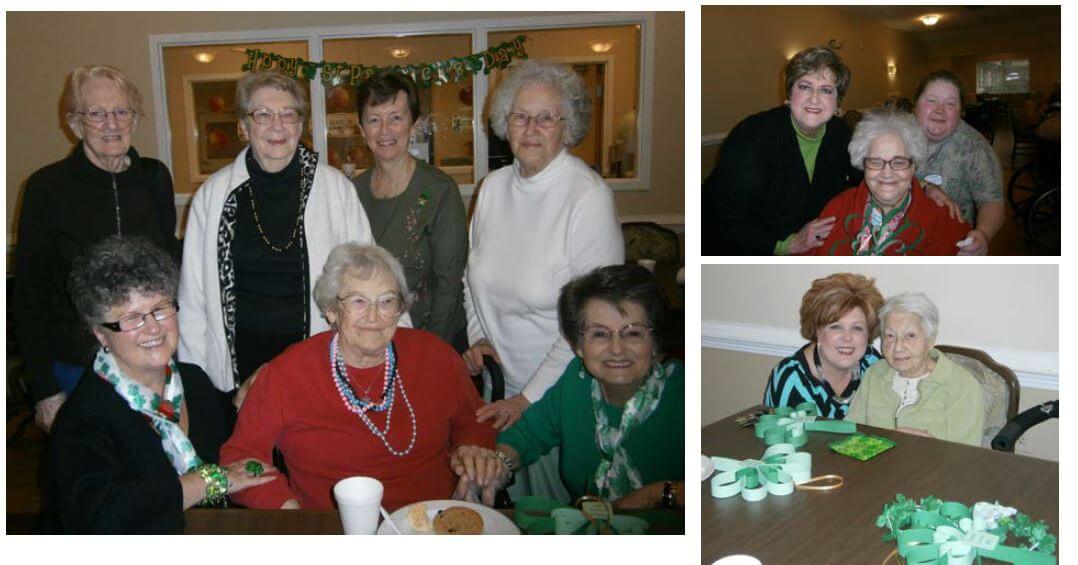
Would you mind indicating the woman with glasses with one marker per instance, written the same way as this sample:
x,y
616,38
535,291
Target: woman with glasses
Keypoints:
x,y
365,398
617,413
415,210
104,187
259,230
137,442
889,213
536,224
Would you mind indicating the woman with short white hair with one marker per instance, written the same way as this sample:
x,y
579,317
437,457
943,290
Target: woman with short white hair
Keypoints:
x,y
889,213
915,388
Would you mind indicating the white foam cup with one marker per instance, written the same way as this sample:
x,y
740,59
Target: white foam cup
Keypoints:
x,y
359,500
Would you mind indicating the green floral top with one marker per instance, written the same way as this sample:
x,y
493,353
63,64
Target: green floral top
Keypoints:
x,y
966,168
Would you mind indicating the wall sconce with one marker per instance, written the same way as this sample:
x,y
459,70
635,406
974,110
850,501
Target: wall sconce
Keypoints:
x,y
930,19
601,46
400,52
204,57
891,72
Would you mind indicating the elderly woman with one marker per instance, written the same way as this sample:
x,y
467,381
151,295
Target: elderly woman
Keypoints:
x,y
917,389
102,188
415,210
536,224
365,398
889,213
258,230
137,442
959,160
617,414
838,317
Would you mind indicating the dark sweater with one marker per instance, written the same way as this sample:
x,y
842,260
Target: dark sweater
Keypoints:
x,y
107,471
760,193
67,207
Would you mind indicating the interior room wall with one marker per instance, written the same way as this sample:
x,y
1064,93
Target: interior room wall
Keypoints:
x,y
37,63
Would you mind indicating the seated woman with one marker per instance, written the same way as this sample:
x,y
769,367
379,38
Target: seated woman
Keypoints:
x,y
889,213
136,443
364,398
838,317
917,389
616,415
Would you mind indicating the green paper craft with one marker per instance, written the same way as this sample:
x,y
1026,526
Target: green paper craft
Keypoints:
x,y
938,532
861,447
781,467
541,515
791,425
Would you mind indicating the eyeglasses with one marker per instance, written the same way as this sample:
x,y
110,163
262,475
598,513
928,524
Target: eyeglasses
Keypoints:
x,y
545,120
632,334
136,320
897,163
264,116
121,115
389,304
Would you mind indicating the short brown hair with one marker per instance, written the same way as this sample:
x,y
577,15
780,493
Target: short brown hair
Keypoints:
x,y
814,59
946,76
383,87
832,297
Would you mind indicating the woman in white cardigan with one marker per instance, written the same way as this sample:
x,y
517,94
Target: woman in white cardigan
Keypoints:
x,y
258,229
536,225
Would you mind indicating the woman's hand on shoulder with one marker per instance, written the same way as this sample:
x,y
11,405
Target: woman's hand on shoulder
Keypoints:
x,y
45,410
241,393
473,357
812,235
941,199
504,413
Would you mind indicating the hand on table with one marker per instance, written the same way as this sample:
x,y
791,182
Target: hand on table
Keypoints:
x,y
936,194
473,357
812,235
976,243
505,413
45,410
915,431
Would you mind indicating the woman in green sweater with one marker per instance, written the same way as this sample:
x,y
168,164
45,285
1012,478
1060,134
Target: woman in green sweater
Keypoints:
x,y
617,414
915,388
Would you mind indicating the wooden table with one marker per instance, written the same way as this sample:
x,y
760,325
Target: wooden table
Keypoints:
x,y
840,526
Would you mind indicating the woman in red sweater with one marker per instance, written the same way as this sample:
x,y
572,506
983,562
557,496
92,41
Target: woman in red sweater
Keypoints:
x,y
889,213
366,398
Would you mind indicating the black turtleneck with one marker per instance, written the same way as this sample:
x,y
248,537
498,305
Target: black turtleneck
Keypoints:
x,y
270,286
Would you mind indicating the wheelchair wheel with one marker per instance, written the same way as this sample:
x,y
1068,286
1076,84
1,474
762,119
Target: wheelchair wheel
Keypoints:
x,y
1044,222
1026,184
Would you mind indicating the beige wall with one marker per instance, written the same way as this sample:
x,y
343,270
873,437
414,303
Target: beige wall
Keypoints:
x,y
37,62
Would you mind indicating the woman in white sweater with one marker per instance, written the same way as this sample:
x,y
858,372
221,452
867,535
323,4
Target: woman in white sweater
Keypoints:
x,y
537,224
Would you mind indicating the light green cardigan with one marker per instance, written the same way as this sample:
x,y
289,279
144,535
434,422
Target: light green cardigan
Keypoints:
x,y
950,407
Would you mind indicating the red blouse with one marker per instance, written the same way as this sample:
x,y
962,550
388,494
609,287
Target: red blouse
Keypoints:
x,y
295,406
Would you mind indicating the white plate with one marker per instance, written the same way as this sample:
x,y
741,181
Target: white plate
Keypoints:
x,y
706,467
494,522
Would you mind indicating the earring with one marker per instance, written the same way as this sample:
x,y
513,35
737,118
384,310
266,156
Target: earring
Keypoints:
x,y
106,348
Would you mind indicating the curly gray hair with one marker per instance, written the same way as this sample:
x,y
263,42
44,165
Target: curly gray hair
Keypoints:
x,y
363,261
106,274
916,303
575,104
875,124
252,82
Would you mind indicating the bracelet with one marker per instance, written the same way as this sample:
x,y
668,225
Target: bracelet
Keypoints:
x,y
669,492
508,462
217,483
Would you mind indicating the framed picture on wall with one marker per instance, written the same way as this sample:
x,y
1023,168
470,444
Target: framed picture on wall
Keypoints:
x,y
213,138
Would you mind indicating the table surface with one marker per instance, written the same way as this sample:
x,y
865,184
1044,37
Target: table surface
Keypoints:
x,y
840,526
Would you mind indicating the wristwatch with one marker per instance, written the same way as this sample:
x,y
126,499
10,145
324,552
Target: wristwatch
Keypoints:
x,y
669,495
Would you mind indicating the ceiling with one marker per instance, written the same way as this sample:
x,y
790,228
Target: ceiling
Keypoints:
x,y
906,18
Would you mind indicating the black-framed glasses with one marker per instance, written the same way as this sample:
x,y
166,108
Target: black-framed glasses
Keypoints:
x,y
545,120
897,163
388,305
632,334
121,115
264,116
136,320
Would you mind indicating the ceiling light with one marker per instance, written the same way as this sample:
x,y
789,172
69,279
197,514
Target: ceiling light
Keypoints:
x,y
204,57
400,52
930,19
601,46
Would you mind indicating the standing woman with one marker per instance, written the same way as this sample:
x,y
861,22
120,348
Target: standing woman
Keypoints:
x,y
103,188
257,231
415,210
537,224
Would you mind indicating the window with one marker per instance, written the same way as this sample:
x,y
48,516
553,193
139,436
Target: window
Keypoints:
x,y
1003,77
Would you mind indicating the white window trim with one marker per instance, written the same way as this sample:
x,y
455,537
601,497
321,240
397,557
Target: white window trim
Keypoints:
x,y
478,28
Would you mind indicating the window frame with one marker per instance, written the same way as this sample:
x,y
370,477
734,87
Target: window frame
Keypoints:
x,y
478,29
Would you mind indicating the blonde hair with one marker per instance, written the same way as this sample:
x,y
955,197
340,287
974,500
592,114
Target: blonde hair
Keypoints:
x,y
832,297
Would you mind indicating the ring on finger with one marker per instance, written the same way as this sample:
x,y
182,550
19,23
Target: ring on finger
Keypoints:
x,y
254,468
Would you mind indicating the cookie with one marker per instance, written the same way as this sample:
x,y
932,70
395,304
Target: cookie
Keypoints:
x,y
418,518
458,520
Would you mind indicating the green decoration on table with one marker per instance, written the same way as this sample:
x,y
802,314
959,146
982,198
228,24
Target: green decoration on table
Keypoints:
x,y
861,447
935,531
781,467
453,69
791,425
541,515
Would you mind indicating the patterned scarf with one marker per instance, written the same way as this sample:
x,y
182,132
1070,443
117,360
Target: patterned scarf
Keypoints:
x,y
163,414
878,229
616,476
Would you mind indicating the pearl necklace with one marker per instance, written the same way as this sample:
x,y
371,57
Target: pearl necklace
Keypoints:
x,y
360,406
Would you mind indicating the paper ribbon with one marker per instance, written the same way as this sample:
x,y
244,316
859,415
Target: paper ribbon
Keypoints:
x,y
776,473
791,425
541,515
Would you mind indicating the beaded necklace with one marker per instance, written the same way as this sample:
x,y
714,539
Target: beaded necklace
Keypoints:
x,y
360,406
262,232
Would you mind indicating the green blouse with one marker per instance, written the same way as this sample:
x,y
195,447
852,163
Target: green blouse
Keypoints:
x,y
424,228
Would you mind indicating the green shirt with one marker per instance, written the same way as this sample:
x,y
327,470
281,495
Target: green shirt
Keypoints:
x,y
564,418
810,146
950,405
